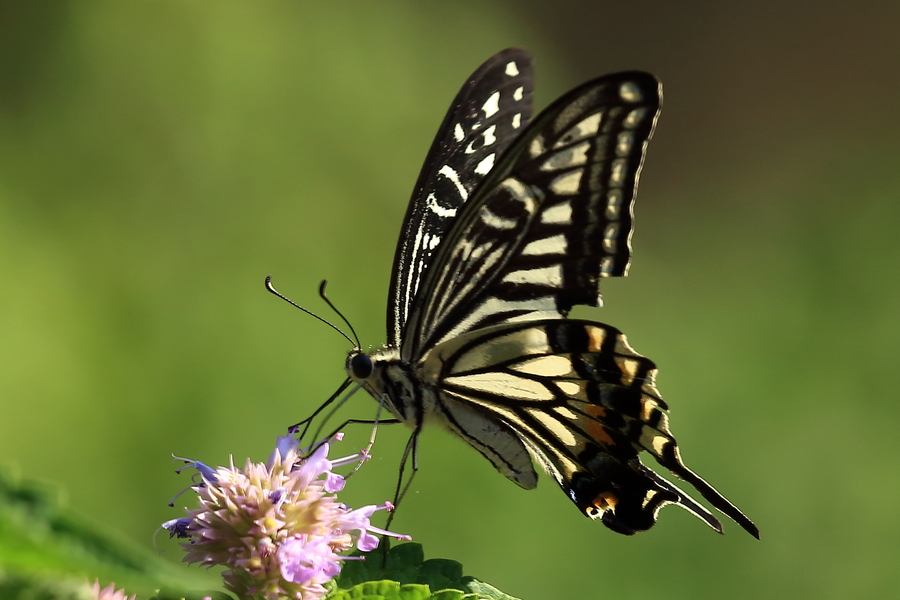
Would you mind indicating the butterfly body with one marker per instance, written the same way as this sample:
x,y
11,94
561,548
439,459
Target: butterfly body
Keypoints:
x,y
512,223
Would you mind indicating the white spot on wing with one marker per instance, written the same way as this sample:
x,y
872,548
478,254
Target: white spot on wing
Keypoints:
x,y
561,214
634,117
439,210
613,204
519,93
570,157
448,172
624,143
505,385
412,280
566,412
511,69
630,92
587,127
545,366
610,236
485,166
659,442
489,137
492,105
458,133
549,245
569,388
551,275
567,183
606,265
617,174
517,120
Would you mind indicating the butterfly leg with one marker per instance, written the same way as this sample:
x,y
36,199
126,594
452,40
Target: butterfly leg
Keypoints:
x,y
375,422
410,452
305,423
368,448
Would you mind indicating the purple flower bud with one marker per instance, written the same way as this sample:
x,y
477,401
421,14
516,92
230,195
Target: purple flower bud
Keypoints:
x,y
334,483
284,445
178,527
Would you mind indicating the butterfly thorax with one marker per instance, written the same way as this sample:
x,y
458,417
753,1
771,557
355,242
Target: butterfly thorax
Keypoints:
x,y
390,379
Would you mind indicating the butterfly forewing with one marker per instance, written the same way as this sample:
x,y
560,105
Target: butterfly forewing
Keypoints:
x,y
553,217
489,112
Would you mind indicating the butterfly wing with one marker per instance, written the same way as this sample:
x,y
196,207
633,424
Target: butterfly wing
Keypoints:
x,y
485,275
583,403
488,113
551,219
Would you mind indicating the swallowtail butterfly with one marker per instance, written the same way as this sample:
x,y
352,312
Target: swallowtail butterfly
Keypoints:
x,y
514,221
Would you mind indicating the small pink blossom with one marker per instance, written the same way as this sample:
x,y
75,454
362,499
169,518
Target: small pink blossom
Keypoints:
x,y
108,593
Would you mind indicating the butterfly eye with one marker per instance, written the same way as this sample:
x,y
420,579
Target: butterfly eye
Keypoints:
x,y
361,366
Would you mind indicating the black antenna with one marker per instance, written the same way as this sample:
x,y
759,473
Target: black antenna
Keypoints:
x,y
343,318
272,289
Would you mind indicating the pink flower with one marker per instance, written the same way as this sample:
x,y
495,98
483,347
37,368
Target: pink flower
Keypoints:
x,y
108,593
277,527
303,559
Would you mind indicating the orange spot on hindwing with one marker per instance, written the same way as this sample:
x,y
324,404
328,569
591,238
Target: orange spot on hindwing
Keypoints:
x,y
603,501
596,337
594,426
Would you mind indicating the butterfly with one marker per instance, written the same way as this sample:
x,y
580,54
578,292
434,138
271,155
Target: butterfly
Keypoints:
x,y
513,221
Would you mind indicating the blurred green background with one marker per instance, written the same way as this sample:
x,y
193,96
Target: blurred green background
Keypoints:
x,y
159,159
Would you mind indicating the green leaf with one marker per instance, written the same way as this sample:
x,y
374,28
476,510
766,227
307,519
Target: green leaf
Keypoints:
x,y
484,591
22,586
440,573
404,555
48,552
448,595
383,590
404,564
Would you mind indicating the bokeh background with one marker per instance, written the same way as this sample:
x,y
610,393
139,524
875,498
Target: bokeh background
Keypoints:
x,y
159,158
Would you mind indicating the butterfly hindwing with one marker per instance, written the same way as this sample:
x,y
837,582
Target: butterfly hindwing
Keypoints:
x,y
490,436
583,403
551,219
488,113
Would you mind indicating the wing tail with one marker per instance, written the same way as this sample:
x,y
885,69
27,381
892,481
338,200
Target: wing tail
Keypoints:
x,y
672,461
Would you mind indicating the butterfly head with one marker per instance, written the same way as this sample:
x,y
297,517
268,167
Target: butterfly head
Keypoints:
x,y
386,378
359,365
368,368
